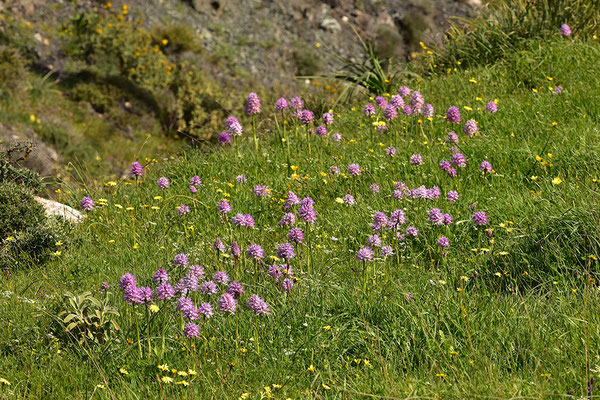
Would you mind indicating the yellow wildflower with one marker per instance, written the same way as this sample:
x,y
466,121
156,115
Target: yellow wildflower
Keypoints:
x,y
163,367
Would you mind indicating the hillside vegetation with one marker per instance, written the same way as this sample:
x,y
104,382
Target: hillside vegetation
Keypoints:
x,y
92,82
445,250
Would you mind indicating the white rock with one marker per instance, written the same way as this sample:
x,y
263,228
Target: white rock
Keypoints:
x,y
474,3
54,208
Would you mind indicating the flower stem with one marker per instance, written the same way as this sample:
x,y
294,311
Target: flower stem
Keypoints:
x,y
148,330
254,132
137,328
162,351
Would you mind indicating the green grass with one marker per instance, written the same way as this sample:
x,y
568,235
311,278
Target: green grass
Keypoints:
x,y
510,316
506,27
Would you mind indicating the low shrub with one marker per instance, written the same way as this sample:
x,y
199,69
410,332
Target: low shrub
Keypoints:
x,y
176,38
306,61
19,210
25,237
30,180
30,247
116,45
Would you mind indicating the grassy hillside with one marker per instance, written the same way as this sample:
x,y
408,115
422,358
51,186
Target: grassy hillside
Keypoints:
x,y
508,310
93,81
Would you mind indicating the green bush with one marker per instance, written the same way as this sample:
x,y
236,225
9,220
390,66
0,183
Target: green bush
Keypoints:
x,y
100,97
30,247
117,46
196,110
25,237
414,24
18,209
306,60
30,180
179,38
123,57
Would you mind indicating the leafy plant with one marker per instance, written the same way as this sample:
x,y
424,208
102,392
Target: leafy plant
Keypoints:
x,y
89,319
370,73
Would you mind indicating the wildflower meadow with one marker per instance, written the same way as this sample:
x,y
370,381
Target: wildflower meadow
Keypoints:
x,y
439,241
